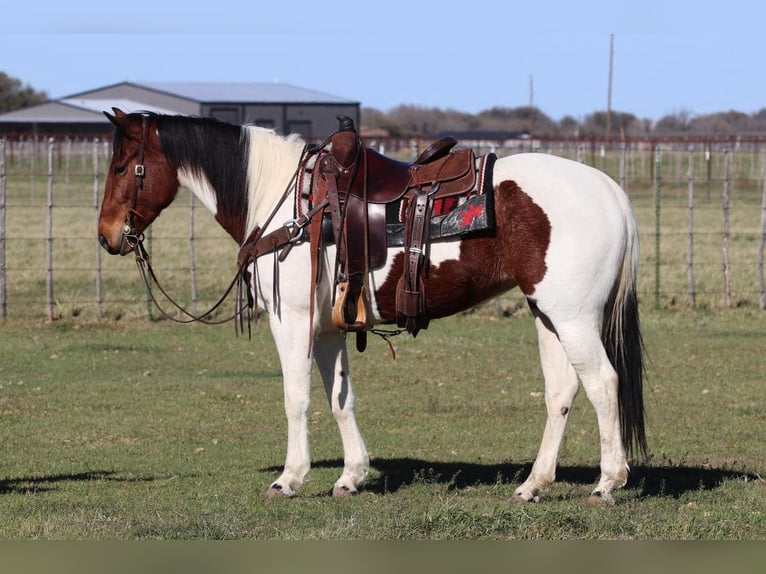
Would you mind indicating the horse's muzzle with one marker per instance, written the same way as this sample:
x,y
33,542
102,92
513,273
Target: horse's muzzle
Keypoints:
x,y
122,248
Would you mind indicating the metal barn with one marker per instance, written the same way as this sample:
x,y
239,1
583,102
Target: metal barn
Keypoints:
x,y
282,107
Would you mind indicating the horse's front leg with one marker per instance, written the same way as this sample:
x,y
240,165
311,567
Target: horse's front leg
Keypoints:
x,y
292,346
331,356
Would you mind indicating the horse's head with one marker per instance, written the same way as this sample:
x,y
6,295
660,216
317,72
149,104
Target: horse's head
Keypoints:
x,y
141,182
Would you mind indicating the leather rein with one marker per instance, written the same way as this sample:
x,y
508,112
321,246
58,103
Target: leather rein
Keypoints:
x,y
291,233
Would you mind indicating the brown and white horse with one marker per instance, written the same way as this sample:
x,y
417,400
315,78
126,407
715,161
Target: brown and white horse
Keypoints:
x,y
565,234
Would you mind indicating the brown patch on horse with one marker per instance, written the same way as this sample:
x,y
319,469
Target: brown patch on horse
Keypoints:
x,y
489,264
529,235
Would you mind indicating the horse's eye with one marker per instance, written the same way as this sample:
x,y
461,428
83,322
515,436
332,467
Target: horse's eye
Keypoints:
x,y
119,169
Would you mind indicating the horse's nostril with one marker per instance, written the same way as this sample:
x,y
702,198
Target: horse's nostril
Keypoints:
x,y
105,244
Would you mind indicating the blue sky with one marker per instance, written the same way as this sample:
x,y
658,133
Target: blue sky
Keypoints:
x,y
669,56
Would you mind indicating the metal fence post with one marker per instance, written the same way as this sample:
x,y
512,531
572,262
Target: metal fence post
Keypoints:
x,y
192,255
726,230
762,244
623,167
657,193
690,238
709,165
49,237
3,203
99,294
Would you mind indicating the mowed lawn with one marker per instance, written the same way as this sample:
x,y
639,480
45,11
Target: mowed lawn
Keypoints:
x,y
151,430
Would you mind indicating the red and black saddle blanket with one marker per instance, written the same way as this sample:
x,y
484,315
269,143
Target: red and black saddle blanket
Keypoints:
x,y
453,216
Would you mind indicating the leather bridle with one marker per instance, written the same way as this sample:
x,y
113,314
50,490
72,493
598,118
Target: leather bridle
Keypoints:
x,y
139,171
283,238
143,261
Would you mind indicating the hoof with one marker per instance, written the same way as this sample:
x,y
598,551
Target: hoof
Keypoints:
x,y
276,491
343,491
518,498
600,499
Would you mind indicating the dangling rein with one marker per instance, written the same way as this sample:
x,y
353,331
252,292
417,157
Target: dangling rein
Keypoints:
x,y
146,271
255,245
279,242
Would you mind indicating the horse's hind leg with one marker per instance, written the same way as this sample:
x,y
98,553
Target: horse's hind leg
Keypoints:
x,y
582,344
560,389
332,360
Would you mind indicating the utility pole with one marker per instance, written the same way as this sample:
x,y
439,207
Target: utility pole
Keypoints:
x,y
609,89
531,91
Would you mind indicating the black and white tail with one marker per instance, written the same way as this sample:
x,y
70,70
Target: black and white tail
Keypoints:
x,y
621,336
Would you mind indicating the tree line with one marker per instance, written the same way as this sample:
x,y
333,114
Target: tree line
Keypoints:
x,y
418,121
15,95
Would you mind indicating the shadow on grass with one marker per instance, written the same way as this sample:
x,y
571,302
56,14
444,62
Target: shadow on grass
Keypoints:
x,y
35,484
651,481
396,473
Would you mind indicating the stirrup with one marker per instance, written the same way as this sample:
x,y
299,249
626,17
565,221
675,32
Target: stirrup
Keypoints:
x,y
348,315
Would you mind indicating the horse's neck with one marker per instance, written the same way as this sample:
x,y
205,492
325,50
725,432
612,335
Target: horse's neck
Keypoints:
x,y
268,168
272,163
200,187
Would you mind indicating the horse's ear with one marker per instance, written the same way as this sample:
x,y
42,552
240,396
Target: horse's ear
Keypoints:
x,y
112,118
120,121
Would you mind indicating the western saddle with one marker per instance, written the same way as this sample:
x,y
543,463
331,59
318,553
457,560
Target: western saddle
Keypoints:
x,y
352,189
358,183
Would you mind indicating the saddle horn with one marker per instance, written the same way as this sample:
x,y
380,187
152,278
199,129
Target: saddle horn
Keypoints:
x,y
346,124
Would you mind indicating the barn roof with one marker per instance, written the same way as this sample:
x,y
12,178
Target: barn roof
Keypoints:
x,y
240,92
99,105
75,110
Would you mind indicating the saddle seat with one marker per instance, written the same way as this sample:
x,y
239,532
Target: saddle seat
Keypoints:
x,y
387,179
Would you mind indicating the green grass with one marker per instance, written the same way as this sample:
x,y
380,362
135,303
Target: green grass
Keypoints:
x,y
146,430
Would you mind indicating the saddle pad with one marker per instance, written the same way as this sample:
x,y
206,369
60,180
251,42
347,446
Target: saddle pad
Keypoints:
x,y
472,215
453,216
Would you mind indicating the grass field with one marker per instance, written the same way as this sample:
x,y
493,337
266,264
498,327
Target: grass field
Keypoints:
x,y
150,430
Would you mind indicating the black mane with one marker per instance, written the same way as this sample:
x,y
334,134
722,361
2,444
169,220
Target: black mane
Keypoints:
x,y
215,149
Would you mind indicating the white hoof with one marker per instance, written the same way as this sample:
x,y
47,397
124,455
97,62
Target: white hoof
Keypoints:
x,y
343,491
276,491
518,497
600,499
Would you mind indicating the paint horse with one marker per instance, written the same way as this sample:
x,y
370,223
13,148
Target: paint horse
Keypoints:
x,y
564,233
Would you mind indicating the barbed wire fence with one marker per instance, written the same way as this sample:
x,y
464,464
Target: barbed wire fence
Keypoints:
x,y
701,206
